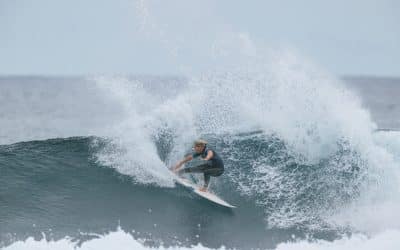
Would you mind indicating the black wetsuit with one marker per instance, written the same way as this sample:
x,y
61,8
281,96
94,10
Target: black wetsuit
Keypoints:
x,y
212,167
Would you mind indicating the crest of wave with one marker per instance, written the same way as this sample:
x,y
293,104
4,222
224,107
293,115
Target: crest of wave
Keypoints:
x,y
322,124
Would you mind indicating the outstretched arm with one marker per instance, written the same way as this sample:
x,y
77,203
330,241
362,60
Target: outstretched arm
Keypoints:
x,y
179,164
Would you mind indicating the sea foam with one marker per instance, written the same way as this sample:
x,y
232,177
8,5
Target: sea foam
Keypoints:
x,y
388,240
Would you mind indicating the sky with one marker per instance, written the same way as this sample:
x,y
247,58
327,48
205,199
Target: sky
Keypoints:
x,y
80,37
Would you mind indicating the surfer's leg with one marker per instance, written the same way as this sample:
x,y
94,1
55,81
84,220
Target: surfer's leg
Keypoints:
x,y
206,179
213,171
207,169
196,169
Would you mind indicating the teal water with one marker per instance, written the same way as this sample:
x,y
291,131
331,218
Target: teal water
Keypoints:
x,y
57,187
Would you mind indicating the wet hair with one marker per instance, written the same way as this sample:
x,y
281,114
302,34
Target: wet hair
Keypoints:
x,y
200,142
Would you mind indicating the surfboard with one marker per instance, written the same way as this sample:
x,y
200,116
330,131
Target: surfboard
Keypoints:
x,y
205,194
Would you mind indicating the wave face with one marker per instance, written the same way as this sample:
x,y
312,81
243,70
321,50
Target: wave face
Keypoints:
x,y
302,160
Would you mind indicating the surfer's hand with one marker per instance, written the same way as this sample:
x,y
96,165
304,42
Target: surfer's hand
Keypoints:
x,y
176,168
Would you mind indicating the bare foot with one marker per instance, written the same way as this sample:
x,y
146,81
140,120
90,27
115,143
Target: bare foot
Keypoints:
x,y
203,189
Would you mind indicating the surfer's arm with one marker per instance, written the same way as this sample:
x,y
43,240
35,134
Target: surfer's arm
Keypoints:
x,y
210,155
179,164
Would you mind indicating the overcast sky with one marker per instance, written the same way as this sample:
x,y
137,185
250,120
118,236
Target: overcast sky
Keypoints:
x,y
75,37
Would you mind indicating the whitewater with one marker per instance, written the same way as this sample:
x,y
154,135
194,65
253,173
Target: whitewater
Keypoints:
x,y
312,160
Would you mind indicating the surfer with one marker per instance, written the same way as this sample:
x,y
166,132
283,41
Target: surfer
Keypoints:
x,y
213,165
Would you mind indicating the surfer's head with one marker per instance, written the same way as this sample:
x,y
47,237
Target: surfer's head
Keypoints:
x,y
199,145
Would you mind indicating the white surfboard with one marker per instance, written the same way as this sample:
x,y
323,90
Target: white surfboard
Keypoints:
x,y
205,194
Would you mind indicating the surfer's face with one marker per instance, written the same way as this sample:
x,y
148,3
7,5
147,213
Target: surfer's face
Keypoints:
x,y
198,148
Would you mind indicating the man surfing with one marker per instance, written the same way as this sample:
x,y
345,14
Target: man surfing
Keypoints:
x,y
213,165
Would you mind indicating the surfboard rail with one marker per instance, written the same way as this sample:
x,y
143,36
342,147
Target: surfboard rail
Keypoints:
x,y
205,194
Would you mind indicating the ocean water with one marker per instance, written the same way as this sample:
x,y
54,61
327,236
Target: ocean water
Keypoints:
x,y
312,161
